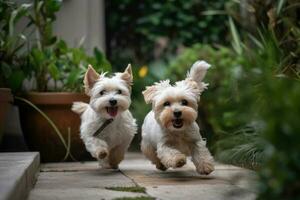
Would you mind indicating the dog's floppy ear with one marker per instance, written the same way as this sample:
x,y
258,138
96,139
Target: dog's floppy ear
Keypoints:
x,y
149,93
198,71
90,78
127,75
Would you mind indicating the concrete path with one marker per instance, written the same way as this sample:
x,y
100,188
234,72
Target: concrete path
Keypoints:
x,y
85,181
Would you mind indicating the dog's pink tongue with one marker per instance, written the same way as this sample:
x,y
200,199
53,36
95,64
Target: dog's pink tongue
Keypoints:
x,y
112,111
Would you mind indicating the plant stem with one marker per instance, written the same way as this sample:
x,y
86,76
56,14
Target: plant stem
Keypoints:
x,y
67,146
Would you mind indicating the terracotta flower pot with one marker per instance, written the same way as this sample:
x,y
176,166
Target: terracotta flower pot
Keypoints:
x,y
6,99
41,136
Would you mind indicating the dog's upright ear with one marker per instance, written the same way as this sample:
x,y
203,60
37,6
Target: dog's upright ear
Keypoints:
x,y
198,71
197,74
90,78
153,90
127,75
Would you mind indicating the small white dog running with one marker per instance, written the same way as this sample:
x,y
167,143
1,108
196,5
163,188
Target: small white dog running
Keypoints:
x,y
107,126
170,132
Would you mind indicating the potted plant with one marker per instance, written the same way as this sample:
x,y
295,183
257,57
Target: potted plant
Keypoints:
x,y
56,71
11,57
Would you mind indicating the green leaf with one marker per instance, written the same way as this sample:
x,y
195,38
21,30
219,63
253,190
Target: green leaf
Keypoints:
x,y
37,56
98,54
16,79
214,12
11,22
72,78
39,6
16,15
53,70
236,38
78,56
62,47
53,5
256,41
101,60
279,6
6,69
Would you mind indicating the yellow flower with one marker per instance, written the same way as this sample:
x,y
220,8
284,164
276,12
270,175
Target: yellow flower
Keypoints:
x,y
143,71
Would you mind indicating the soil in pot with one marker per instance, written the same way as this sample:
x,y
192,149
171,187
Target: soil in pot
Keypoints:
x,y
40,135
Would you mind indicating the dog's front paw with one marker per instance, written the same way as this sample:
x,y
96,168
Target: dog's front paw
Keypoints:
x,y
161,167
205,168
180,161
176,161
101,153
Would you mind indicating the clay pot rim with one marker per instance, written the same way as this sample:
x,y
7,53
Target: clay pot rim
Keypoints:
x,y
6,95
55,98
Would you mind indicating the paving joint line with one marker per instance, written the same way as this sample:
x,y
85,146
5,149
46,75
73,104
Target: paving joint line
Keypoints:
x,y
135,183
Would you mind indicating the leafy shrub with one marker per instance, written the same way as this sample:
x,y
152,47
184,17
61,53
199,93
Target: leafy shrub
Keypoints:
x,y
280,174
139,31
277,21
63,66
271,58
11,44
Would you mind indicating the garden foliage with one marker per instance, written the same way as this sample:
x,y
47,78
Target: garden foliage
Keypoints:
x,y
39,56
11,44
140,31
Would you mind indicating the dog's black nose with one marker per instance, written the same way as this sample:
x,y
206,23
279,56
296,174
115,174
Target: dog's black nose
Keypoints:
x,y
177,113
113,102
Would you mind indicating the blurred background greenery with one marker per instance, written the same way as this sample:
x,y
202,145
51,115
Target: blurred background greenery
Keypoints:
x,y
250,113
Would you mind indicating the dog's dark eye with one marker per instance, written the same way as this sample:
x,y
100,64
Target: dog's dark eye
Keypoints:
x,y
167,103
119,91
184,102
102,92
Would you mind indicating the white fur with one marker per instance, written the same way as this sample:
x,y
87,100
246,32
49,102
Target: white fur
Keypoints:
x,y
168,146
118,134
111,144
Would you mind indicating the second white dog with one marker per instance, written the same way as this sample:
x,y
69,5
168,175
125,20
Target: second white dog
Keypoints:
x,y
107,126
170,132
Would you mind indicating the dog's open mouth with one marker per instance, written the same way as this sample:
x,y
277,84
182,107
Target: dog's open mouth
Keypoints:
x,y
112,111
177,123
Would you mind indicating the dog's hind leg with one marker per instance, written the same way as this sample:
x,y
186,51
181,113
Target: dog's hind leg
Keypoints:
x,y
116,155
150,152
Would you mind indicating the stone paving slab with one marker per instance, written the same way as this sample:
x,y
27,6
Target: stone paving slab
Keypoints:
x,y
203,191
226,182
79,181
69,166
86,181
79,194
82,179
17,174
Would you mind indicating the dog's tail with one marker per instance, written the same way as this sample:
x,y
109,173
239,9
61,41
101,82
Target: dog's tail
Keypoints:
x,y
79,107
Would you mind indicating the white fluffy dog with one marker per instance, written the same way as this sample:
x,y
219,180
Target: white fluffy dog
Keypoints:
x,y
170,132
107,126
